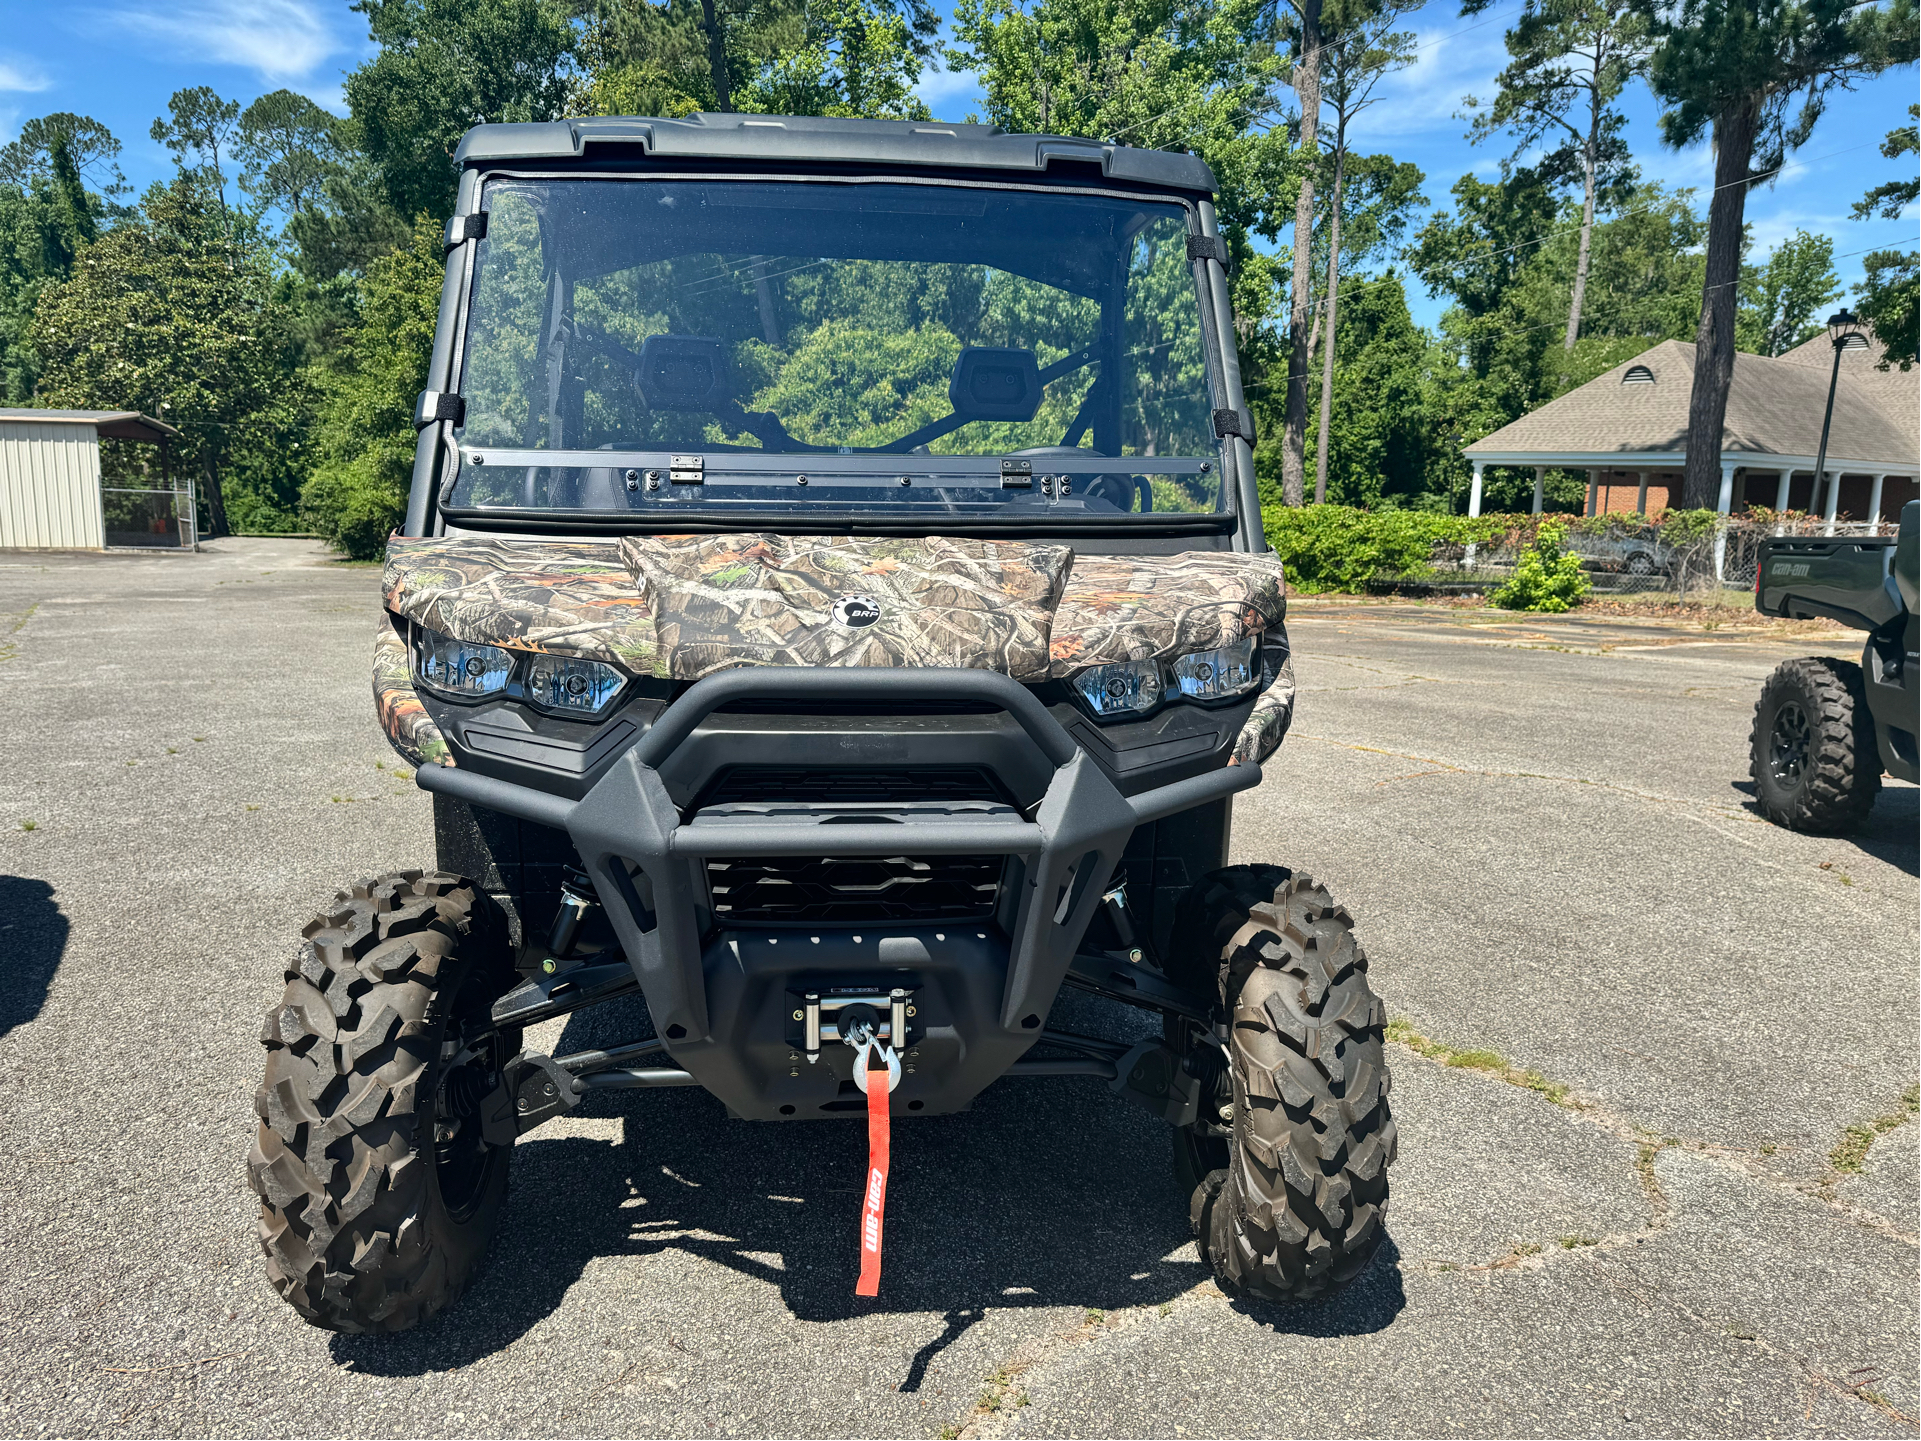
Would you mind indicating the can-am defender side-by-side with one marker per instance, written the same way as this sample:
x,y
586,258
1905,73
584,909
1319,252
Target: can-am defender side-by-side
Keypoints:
x,y
1825,730
833,605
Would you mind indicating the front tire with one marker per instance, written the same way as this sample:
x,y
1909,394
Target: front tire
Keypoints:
x,y
1298,1205
379,1194
1812,754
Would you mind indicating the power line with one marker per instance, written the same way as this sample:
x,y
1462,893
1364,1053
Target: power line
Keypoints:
x,y
1438,39
1515,330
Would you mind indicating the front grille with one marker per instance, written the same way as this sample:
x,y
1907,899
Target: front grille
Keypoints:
x,y
824,891
811,785
782,705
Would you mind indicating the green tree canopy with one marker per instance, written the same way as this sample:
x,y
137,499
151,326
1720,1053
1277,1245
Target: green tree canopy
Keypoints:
x,y
47,216
289,148
365,437
855,58
1890,290
198,126
443,67
1568,62
1784,299
171,313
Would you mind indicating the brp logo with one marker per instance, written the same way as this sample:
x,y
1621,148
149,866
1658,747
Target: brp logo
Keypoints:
x,y
855,611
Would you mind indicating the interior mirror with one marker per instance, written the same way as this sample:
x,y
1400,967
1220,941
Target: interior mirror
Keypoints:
x,y
995,384
685,372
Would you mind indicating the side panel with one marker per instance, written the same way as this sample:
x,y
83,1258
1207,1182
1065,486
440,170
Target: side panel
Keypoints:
x,y
50,487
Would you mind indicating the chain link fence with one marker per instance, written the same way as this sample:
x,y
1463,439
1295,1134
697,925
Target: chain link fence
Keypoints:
x,y
1622,558
149,518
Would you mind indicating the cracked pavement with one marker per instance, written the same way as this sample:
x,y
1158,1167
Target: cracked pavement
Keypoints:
x,y
1540,824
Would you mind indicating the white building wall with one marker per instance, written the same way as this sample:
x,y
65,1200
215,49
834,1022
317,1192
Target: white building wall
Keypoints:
x,y
50,487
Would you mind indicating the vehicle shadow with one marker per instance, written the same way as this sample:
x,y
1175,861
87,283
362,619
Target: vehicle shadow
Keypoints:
x,y
1047,1193
1892,833
33,937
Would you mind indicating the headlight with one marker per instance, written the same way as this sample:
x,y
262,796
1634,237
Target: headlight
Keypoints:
x,y
571,687
1134,686
458,667
1218,674
1129,685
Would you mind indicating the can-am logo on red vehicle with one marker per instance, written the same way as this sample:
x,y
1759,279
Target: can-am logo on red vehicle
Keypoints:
x,y
855,611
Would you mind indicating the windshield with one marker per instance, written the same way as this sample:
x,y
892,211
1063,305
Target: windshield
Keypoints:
x,y
654,345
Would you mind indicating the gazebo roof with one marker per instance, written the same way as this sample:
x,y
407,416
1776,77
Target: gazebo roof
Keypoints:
x,y
1774,409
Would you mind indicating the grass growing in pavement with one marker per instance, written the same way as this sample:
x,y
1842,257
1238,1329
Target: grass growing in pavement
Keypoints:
x,y
1852,1152
1487,1062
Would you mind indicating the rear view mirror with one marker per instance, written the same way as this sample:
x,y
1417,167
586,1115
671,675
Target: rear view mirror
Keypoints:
x,y
684,372
995,384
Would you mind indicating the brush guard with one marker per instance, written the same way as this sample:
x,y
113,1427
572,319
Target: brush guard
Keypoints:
x,y
648,866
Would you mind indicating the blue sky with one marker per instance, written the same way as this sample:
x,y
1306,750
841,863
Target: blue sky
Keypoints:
x,y
120,62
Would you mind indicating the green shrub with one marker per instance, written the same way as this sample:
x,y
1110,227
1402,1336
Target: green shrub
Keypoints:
x,y
1340,548
1546,578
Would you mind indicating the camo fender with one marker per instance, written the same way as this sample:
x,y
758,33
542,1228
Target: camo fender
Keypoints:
x,y
1266,725
410,730
565,597
1118,608
937,601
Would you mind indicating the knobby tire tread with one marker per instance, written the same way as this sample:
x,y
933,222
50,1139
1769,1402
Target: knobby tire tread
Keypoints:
x,y
351,1221
1844,773
1300,1207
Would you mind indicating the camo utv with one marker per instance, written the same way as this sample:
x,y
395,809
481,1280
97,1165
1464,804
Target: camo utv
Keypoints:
x,y
832,604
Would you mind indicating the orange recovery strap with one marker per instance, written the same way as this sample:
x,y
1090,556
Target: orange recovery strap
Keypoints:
x,y
874,1200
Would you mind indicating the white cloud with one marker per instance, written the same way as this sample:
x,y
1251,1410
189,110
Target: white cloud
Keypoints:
x,y
23,75
950,94
277,39
1449,65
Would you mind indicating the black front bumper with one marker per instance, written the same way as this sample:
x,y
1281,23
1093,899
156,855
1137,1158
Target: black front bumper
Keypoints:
x,y
722,997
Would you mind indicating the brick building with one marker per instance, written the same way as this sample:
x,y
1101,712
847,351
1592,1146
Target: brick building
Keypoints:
x,y
1628,431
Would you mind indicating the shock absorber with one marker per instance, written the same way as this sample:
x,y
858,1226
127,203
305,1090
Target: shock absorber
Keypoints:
x,y
577,902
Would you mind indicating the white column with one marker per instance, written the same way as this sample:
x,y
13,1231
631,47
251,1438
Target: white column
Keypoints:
x,y
1641,495
1540,485
1781,491
1726,501
1874,505
1474,504
1593,491
1834,502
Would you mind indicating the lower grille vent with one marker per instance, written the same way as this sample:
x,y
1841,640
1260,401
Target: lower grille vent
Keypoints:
x,y
813,785
824,891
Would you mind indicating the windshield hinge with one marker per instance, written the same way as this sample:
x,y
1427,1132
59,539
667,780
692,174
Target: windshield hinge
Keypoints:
x,y
1234,422
438,405
687,469
1017,474
1207,247
463,228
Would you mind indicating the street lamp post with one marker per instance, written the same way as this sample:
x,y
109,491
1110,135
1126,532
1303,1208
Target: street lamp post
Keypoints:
x,y
1843,326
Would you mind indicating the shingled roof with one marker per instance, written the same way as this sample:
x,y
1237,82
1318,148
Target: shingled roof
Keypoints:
x,y
1774,409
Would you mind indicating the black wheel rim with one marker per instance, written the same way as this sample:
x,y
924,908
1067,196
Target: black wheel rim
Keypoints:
x,y
463,1161
1788,744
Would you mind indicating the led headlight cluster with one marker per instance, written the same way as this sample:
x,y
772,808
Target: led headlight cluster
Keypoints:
x,y
1132,687
457,668
464,670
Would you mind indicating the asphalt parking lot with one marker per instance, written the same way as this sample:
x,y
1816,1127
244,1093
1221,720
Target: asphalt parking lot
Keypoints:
x,y
1635,1025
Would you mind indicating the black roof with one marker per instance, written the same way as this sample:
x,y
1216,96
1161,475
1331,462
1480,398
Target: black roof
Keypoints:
x,y
819,140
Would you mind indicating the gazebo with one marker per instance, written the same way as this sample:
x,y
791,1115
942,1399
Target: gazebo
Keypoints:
x,y
1628,429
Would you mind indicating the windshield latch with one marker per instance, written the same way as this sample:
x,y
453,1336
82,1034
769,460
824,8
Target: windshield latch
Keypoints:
x,y
687,469
1017,475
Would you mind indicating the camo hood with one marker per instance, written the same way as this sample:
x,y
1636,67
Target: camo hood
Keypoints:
x,y
682,607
